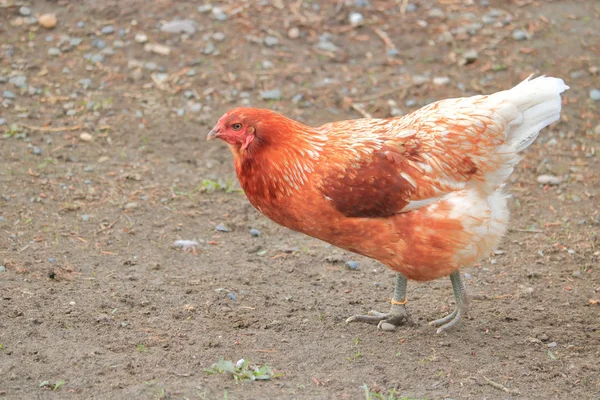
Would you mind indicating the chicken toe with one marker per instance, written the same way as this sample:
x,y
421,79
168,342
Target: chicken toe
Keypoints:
x,y
462,304
398,314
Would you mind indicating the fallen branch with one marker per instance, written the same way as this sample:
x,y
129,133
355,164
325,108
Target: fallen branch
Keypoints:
x,y
359,108
499,386
51,128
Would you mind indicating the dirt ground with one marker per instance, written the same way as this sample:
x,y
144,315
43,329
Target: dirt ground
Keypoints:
x,y
104,165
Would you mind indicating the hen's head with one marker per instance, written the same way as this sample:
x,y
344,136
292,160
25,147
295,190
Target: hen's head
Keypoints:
x,y
250,128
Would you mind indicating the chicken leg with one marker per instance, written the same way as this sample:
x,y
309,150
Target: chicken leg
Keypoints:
x,y
462,304
398,314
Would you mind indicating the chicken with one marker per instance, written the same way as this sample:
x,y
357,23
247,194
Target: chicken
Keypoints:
x,y
422,194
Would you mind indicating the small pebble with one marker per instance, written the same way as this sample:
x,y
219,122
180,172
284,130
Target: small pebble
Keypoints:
x,y
232,296
549,180
393,52
436,13
131,205
179,26
577,274
271,41
158,48
274,94
467,276
141,37
185,244
294,33
97,58
520,35
25,11
47,21
108,30
595,94
7,94
99,43
19,81
471,56
36,150
86,137
2,268
53,51
351,265
2,121
254,232
327,46
219,36
441,80
552,345
222,228
356,19
85,217
85,82
52,260
218,14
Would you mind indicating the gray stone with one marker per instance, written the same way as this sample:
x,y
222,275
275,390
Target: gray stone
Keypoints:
x,y
179,26
271,41
108,30
595,94
25,11
471,56
53,51
19,81
274,94
520,35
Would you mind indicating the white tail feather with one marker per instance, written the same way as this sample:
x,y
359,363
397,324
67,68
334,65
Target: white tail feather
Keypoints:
x,y
538,103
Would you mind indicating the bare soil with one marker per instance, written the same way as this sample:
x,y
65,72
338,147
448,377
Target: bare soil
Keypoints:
x,y
96,302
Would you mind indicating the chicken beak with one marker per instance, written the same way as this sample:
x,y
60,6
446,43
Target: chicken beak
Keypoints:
x,y
213,134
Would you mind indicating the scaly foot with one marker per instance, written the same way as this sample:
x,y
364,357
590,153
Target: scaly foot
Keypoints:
x,y
397,316
462,305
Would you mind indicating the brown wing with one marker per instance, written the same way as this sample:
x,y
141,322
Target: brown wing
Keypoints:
x,y
415,160
373,188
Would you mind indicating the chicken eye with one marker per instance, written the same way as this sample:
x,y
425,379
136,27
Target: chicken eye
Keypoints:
x,y
236,127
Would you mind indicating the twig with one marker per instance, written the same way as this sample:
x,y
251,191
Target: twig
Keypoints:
x,y
499,386
51,128
403,89
403,7
385,38
266,351
359,108
528,230
108,226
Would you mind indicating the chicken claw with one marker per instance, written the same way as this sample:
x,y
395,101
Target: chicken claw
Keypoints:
x,y
462,305
398,314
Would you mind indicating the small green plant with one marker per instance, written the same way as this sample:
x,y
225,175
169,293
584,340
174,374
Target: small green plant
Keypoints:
x,y
208,186
1,346
47,161
141,348
58,384
13,130
390,395
243,370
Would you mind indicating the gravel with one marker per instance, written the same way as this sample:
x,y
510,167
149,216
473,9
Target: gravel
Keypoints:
x,y
108,30
274,94
520,35
179,26
222,228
